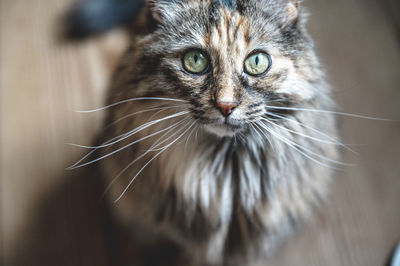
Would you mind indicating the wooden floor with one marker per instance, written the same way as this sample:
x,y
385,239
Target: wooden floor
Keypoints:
x,y
51,217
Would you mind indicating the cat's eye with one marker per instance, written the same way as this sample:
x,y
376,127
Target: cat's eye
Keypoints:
x,y
195,61
257,63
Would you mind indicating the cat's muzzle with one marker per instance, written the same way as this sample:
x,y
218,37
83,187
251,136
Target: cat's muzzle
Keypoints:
x,y
226,127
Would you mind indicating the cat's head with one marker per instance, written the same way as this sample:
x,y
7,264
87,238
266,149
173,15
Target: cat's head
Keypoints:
x,y
229,59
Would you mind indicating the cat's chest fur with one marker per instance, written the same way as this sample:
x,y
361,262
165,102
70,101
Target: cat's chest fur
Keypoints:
x,y
220,193
222,198
217,176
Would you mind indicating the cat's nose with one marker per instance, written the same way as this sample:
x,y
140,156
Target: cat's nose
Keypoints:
x,y
226,107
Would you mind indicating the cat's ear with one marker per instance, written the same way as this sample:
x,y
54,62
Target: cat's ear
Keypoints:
x,y
292,10
163,11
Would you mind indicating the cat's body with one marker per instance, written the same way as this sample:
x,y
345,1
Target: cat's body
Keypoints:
x,y
223,170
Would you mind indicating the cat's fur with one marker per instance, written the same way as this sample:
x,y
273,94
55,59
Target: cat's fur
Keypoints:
x,y
225,194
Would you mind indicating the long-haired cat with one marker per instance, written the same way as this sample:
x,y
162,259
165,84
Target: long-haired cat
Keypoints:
x,y
213,136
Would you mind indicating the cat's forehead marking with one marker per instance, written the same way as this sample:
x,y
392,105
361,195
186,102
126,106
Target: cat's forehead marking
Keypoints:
x,y
230,24
229,45
229,37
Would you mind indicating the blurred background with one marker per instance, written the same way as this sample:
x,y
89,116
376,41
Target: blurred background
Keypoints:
x,y
43,80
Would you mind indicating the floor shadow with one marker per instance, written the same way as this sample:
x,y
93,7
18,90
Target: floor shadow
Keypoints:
x,y
71,226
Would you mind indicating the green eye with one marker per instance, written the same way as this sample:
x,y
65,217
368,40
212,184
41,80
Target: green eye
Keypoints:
x,y
257,63
195,62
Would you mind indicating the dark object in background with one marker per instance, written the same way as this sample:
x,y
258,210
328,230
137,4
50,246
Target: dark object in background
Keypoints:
x,y
90,17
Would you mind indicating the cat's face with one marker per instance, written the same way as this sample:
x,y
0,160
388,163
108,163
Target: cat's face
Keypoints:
x,y
231,59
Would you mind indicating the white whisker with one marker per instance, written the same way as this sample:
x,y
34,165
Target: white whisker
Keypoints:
x,y
118,138
314,130
256,126
141,112
328,112
295,148
131,100
124,147
156,143
301,134
190,134
158,148
132,132
316,154
144,166
87,155
197,131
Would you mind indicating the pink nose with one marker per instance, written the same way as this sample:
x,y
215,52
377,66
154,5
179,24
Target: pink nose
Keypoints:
x,y
226,107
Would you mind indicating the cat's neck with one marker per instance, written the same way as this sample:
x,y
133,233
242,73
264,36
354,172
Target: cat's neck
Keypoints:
x,y
211,169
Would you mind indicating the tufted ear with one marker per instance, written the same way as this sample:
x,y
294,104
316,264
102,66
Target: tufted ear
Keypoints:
x,y
292,11
287,11
163,10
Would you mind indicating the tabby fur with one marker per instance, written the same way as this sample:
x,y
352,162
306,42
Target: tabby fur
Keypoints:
x,y
226,194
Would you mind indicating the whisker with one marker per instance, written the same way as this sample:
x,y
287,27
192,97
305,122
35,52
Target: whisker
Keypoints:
x,y
141,112
87,155
256,126
157,147
241,138
132,132
316,154
255,130
295,148
130,100
153,115
328,112
301,134
144,166
126,146
190,134
197,131
314,130
156,143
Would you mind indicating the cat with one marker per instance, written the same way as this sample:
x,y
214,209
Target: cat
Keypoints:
x,y
214,136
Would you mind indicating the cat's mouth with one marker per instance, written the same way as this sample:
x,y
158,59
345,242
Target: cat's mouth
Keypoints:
x,y
225,127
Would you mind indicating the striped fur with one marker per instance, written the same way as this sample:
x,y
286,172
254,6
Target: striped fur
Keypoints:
x,y
228,191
